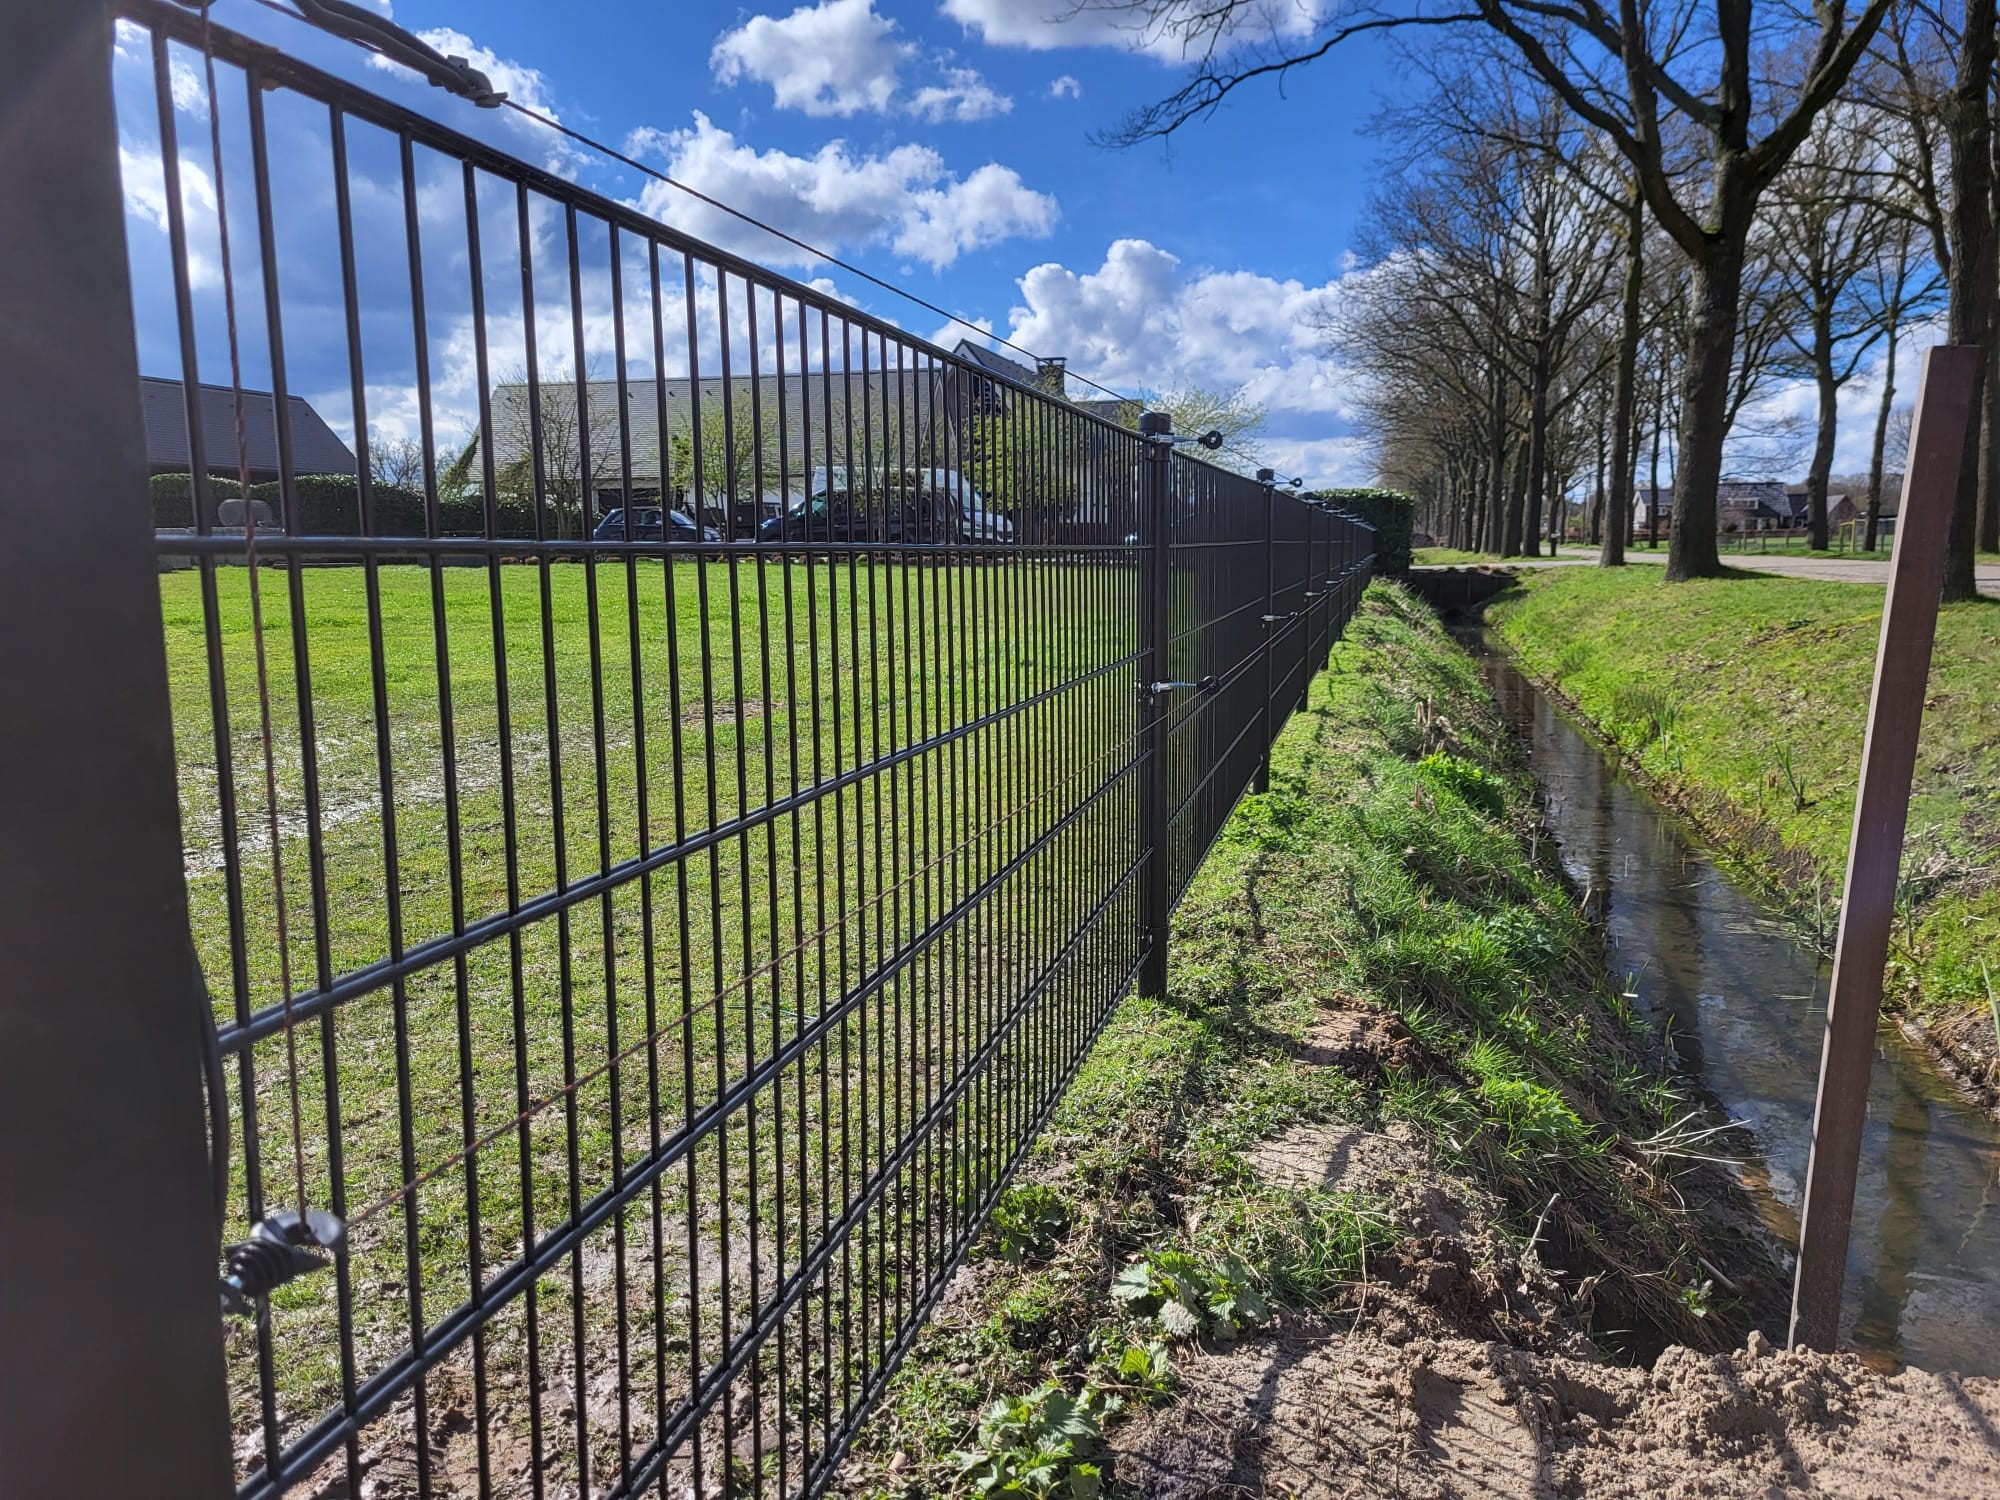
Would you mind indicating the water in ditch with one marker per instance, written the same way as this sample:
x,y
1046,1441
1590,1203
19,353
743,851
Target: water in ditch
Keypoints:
x,y
1747,1005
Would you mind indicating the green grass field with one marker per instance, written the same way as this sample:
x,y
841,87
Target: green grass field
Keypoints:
x,y
543,1056
1748,695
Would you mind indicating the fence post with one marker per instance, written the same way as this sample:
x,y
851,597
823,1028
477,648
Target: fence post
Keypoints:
x,y
1156,616
1881,812
1268,478
110,1331
1309,604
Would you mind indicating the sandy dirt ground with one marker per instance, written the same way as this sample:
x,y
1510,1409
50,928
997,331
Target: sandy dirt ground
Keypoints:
x,y
1320,1411
1455,1378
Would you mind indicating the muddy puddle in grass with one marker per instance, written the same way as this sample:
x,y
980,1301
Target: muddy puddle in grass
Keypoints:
x,y
1747,1003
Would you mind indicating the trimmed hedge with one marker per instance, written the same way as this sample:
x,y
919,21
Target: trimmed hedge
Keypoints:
x,y
173,498
1393,515
330,505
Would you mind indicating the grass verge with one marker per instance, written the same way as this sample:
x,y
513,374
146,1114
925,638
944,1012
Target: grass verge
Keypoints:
x,y
1377,950
1745,700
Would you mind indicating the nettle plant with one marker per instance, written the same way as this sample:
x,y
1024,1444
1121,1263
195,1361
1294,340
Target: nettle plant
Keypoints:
x,y
1048,1445
1027,1222
1192,1297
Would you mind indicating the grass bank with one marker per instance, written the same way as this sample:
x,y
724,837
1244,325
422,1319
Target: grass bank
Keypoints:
x,y
1388,1083
1745,700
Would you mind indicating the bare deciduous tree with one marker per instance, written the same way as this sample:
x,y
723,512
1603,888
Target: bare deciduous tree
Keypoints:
x,y
1627,74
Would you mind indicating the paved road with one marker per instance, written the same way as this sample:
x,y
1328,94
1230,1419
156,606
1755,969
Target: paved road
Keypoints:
x,y
1849,569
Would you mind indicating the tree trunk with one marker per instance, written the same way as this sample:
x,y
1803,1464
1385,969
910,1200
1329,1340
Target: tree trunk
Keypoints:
x,y
1538,410
1496,452
1624,388
1596,520
1715,290
1881,438
1969,122
1538,453
1517,502
1653,494
1829,424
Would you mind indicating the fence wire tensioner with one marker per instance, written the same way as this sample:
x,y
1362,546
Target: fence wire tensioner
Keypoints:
x,y
279,1250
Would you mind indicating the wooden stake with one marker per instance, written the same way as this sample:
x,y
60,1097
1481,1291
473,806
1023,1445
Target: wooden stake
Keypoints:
x,y
1881,811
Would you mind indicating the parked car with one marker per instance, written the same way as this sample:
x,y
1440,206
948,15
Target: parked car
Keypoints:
x,y
915,506
651,523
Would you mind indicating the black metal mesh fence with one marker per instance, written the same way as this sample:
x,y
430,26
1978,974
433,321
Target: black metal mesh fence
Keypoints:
x,y
659,857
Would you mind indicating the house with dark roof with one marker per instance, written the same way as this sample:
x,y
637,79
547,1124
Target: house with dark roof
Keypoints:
x,y
1740,505
1049,377
805,422
165,404
1099,505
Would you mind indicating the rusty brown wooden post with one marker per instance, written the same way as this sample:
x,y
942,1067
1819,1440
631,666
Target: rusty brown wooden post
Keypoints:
x,y
1881,810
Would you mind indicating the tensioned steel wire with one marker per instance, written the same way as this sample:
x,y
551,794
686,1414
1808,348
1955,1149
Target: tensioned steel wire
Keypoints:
x,y
709,840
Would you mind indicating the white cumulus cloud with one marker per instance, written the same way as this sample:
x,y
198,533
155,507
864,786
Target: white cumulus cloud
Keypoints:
x,y
904,198
834,58
1178,30
1145,321
1066,87
839,58
963,96
144,178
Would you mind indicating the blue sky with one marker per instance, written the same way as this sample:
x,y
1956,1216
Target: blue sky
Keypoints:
x,y
942,144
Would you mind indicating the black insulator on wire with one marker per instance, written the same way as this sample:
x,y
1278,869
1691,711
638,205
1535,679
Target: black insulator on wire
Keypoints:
x,y
279,1250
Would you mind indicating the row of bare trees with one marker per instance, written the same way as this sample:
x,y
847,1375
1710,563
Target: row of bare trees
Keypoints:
x,y
1613,230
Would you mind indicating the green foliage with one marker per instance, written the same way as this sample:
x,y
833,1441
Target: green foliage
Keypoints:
x,y
330,505
729,470
1392,513
1144,1372
1022,463
1794,778
173,497
1645,712
1470,783
1027,1222
1192,1297
1047,1445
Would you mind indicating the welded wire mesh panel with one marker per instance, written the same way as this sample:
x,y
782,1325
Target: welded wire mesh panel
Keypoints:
x,y
1261,582
661,765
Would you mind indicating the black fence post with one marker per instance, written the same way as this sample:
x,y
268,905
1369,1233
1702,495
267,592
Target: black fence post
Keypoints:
x,y
110,1331
1268,478
1156,535
1309,604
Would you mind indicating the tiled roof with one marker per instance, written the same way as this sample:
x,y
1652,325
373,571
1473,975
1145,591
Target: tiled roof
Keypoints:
x,y
315,447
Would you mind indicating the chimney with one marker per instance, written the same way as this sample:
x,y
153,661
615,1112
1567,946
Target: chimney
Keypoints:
x,y
1049,376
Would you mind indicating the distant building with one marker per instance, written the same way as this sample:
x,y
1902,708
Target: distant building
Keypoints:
x,y
792,425
783,432
1740,505
1751,506
315,448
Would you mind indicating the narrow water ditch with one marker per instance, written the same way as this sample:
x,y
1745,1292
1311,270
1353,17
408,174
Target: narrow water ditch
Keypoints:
x,y
1746,1005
